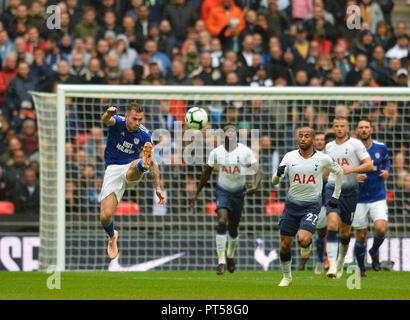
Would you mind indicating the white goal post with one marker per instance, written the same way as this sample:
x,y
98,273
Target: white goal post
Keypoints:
x,y
75,240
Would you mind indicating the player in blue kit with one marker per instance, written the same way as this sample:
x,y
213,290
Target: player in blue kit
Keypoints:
x,y
235,162
372,198
351,154
126,138
304,167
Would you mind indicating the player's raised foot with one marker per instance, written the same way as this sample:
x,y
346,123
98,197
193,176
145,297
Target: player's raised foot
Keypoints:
x,y
331,273
320,266
340,268
363,273
231,265
375,261
147,155
220,269
285,282
112,248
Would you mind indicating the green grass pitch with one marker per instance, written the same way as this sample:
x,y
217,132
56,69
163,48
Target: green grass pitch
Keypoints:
x,y
201,285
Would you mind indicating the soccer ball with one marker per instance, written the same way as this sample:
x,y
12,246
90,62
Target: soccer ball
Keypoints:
x,y
196,118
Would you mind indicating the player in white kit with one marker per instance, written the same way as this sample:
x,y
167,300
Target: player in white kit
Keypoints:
x,y
235,161
304,168
351,154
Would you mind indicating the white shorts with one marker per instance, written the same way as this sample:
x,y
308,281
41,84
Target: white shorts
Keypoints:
x,y
376,210
322,219
115,181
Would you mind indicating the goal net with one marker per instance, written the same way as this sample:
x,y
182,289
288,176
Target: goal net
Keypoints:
x,y
72,142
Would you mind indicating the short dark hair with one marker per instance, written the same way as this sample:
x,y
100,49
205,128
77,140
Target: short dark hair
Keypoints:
x,y
136,106
364,119
330,136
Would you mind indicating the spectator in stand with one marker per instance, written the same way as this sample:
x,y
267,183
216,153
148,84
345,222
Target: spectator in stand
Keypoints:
x,y
4,185
26,194
400,29
128,77
181,16
337,77
126,55
167,42
367,79
53,55
154,75
21,53
13,144
75,11
301,44
400,50
94,75
205,70
88,186
177,75
40,71
216,52
8,73
250,24
371,12
221,15
92,145
16,166
317,26
29,137
323,67
78,70
277,19
72,197
365,45
9,14
36,15
110,24
102,51
6,45
328,16
403,78
312,57
79,48
400,171
112,65
353,76
160,58
66,44
143,24
21,18
136,39
134,10
389,77
301,78
245,56
17,91
88,26
26,112
34,40
300,8
383,34
379,63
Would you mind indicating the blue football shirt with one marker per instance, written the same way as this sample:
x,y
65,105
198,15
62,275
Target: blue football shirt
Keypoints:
x,y
373,188
124,146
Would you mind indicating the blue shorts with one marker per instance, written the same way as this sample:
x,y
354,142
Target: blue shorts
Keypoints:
x,y
347,204
299,216
232,201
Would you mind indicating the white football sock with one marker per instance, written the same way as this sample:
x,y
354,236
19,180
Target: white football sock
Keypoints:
x,y
331,248
231,246
220,247
286,268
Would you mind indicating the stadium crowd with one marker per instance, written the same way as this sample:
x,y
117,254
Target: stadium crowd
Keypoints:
x,y
192,42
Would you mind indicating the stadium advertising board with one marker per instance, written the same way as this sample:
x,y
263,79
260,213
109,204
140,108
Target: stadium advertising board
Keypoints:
x,y
20,253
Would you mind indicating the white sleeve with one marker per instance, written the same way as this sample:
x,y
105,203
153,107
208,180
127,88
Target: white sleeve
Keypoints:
x,y
212,159
250,159
361,150
338,172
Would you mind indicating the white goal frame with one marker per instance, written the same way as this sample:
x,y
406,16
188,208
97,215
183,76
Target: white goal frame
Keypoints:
x,y
138,92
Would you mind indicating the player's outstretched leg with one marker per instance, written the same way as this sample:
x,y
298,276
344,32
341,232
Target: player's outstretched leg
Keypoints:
x,y
108,206
139,166
286,260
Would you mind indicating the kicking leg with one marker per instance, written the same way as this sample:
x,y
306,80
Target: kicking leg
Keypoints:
x,y
108,206
222,214
139,166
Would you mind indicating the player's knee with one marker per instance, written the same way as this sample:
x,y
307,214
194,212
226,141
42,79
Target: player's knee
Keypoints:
x,y
361,236
105,216
222,222
304,241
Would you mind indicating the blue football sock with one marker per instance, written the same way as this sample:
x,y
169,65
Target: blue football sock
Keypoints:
x,y
110,229
320,247
377,242
360,253
284,257
140,167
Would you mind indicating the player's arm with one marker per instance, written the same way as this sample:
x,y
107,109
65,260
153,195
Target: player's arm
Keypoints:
x,y
325,175
384,172
107,117
258,178
279,173
202,182
366,166
156,177
338,172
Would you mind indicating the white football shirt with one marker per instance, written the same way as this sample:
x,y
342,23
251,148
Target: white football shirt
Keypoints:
x,y
305,175
233,166
348,154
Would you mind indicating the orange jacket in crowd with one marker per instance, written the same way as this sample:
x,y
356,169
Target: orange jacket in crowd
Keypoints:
x,y
206,6
218,18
